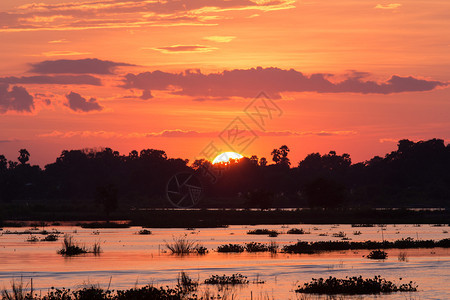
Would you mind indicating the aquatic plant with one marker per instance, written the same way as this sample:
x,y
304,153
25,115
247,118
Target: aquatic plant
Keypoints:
x,y
402,256
225,279
340,234
17,291
144,232
296,231
32,238
354,285
50,238
70,247
377,254
185,283
268,232
230,248
256,247
182,245
96,248
311,247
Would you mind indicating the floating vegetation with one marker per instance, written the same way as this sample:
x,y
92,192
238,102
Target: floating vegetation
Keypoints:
x,y
340,234
377,254
230,248
50,238
357,232
296,231
227,280
32,239
312,247
272,233
144,232
256,247
354,285
362,225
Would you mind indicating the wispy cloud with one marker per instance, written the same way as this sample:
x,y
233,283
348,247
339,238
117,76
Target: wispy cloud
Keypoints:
x,y
63,53
219,38
179,133
62,41
82,15
388,6
183,49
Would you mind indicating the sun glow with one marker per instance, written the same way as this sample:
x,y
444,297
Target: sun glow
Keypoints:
x,y
226,156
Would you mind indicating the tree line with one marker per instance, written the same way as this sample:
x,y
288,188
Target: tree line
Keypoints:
x,y
416,174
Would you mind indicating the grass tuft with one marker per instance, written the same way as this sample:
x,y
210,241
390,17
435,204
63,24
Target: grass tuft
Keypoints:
x,y
70,247
377,254
227,280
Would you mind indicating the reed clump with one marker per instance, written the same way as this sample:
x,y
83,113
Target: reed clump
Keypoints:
x,y
71,247
183,245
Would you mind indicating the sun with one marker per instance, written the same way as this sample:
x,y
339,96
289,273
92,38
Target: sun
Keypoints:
x,y
226,156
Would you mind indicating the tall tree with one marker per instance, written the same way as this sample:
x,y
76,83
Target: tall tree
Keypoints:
x,y
279,156
24,156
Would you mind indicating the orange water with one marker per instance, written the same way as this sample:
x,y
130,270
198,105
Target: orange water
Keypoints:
x,y
129,259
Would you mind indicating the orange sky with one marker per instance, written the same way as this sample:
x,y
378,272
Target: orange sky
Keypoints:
x,y
351,76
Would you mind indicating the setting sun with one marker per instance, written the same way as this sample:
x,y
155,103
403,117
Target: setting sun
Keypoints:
x,y
226,156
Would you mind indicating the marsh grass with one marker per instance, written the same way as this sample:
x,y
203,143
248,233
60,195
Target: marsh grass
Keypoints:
x,y
71,247
296,231
272,233
227,280
229,248
18,291
377,254
402,256
408,243
185,283
353,286
144,232
96,248
183,245
52,237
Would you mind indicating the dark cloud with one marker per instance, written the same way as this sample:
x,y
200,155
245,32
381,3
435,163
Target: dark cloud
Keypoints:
x,y
80,104
59,79
15,99
76,66
249,82
146,94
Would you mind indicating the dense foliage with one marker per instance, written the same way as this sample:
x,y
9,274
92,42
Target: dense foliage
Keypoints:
x,y
415,175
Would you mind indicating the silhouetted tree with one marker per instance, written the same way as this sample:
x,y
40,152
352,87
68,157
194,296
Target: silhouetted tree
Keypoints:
x,y
254,160
263,162
3,163
24,156
323,192
259,198
279,156
106,196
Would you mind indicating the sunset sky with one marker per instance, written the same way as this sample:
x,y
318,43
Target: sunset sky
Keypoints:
x,y
183,76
